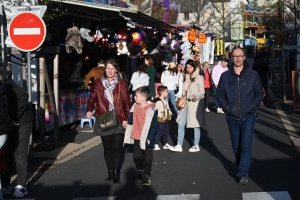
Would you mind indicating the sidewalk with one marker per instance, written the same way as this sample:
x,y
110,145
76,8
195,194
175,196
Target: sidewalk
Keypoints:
x,y
75,140
289,119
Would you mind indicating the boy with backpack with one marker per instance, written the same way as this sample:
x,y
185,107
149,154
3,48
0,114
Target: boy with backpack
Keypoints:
x,y
164,115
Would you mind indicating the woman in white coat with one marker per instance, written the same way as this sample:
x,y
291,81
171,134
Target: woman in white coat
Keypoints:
x,y
139,79
168,79
179,80
193,115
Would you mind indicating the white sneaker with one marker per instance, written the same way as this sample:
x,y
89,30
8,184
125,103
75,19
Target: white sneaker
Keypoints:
x,y
176,148
207,110
6,190
194,148
220,111
156,147
20,191
167,146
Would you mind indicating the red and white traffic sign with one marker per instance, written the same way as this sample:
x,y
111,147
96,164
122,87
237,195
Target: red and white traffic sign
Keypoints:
x,y
27,31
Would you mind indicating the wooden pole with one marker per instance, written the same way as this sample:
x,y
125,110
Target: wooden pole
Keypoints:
x,y
273,66
283,74
42,99
53,105
294,89
56,82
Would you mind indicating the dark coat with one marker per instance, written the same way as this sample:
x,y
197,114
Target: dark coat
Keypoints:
x,y
18,109
239,95
102,104
3,110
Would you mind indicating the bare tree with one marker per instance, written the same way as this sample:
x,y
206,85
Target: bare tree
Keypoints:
x,y
224,16
283,17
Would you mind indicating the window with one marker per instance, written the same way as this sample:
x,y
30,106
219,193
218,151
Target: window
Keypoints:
x,y
186,16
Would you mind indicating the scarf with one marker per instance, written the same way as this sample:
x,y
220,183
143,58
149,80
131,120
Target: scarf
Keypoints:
x,y
109,88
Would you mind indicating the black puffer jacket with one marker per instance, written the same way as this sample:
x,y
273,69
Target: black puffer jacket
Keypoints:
x,y
3,110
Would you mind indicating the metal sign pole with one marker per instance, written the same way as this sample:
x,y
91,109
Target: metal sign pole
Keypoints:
x,y
29,90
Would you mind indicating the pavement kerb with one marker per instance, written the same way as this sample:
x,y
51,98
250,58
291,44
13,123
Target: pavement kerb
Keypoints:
x,y
288,126
68,151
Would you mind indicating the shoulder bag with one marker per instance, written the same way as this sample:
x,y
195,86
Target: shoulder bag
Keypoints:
x,y
109,119
181,101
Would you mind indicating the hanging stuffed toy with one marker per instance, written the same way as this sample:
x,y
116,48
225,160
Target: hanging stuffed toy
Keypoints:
x,y
98,34
85,32
186,49
122,48
73,40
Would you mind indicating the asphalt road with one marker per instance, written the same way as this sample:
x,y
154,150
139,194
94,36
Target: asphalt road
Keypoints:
x,y
209,174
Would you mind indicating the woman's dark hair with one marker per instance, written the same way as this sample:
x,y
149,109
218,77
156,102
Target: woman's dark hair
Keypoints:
x,y
181,68
192,63
198,64
141,68
115,64
151,62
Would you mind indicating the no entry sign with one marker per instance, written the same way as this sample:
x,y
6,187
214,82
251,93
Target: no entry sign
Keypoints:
x,y
27,31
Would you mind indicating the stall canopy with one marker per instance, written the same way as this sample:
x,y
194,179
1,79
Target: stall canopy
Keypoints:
x,y
104,12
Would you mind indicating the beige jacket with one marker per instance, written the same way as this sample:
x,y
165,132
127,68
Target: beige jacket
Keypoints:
x,y
195,114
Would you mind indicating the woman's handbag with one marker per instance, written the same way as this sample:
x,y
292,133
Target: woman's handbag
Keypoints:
x,y
181,101
109,119
177,89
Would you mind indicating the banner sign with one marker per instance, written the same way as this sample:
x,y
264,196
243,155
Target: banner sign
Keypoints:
x,y
72,107
117,3
165,11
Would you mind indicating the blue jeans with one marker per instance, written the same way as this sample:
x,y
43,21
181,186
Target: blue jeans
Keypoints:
x,y
241,134
172,99
181,129
215,96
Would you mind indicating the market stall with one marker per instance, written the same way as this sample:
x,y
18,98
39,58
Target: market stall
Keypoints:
x,y
86,32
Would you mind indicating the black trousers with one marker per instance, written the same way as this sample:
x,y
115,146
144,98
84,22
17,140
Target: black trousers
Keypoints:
x,y
206,97
142,158
113,145
17,148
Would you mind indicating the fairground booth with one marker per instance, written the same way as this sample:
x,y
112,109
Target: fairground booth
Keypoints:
x,y
79,34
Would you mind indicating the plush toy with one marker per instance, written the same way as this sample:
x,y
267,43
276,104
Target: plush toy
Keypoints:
x,y
73,40
122,48
98,35
85,32
186,51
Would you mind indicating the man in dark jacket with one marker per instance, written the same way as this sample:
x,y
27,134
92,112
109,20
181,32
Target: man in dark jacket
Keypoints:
x,y
239,93
3,122
17,144
3,110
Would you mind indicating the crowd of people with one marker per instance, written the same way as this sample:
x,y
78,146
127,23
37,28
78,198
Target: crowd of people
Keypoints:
x,y
144,119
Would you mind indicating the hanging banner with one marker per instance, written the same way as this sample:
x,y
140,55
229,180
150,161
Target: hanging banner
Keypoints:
x,y
117,3
165,11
